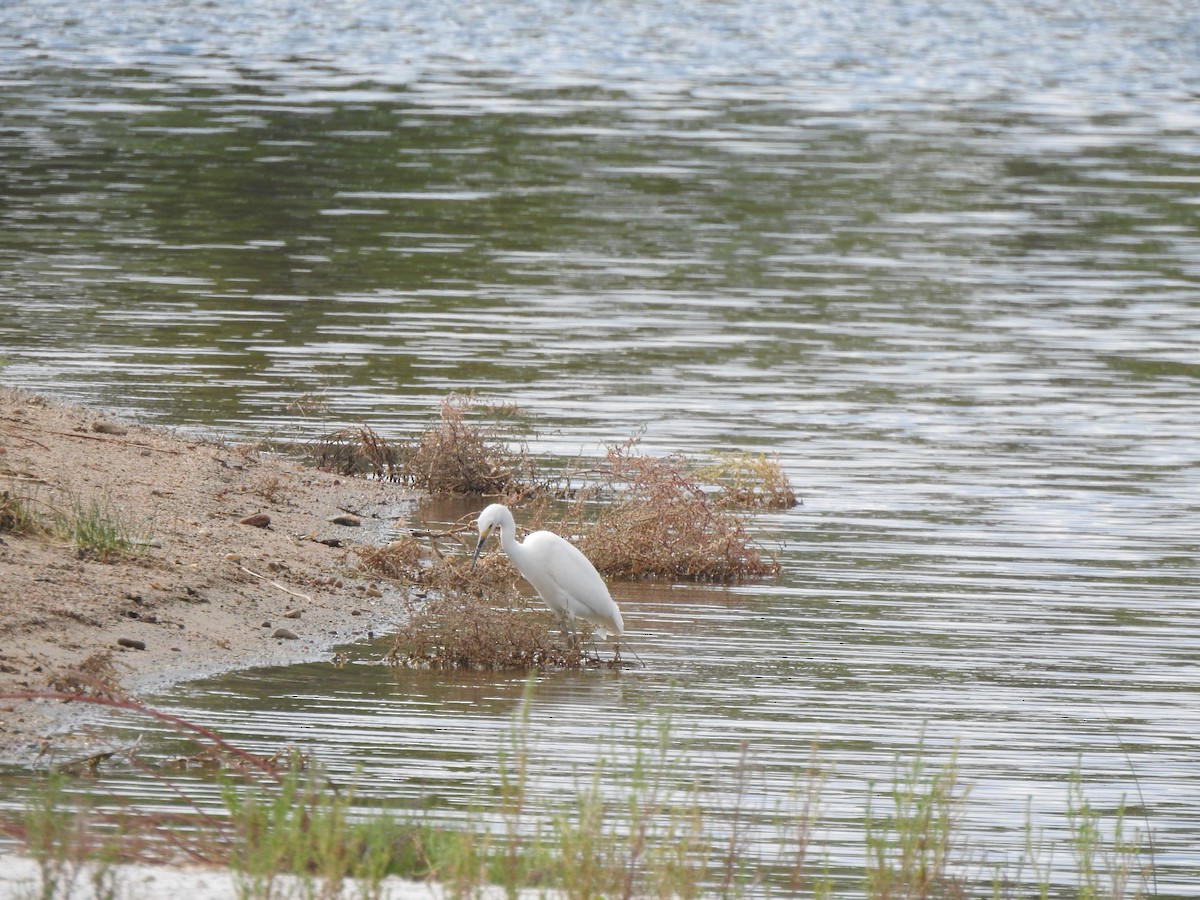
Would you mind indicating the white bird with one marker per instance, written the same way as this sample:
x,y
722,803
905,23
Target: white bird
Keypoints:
x,y
564,578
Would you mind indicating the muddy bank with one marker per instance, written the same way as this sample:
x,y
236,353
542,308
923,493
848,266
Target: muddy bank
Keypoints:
x,y
207,592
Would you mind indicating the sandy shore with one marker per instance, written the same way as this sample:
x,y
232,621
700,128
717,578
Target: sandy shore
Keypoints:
x,y
21,878
208,594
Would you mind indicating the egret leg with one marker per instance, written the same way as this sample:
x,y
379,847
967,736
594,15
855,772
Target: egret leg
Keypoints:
x,y
617,655
568,631
592,642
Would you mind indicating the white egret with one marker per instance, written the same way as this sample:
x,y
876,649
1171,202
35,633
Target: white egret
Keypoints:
x,y
564,578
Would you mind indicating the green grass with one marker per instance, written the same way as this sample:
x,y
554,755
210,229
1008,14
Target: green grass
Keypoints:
x,y
16,514
70,853
912,847
98,528
301,826
638,823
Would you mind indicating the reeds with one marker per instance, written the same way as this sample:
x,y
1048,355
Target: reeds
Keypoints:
x,y
639,822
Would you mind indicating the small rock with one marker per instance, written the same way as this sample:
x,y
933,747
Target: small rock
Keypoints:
x,y
131,643
292,614
266,625
285,634
102,426
258,520
348,519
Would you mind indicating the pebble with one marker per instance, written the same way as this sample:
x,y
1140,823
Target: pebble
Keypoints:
x,y
100,426
131,643
348,519
258,520
285,634
292,614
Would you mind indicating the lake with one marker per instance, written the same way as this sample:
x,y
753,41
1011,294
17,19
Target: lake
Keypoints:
x,y
944,261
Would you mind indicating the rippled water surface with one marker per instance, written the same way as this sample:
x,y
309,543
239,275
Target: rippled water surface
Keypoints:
x,y
943,259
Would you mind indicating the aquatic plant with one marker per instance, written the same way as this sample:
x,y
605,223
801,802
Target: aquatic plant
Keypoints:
x,y
660,523
356,450
468,451
480,620
633,826
477,618
505,631
634,515
913,848
748,480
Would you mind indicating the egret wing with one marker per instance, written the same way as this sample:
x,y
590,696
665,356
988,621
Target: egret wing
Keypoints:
x,y
576,581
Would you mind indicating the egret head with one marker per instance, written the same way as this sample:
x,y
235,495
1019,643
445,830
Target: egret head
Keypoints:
x,y
490,521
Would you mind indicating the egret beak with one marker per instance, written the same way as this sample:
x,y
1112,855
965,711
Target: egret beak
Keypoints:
x,y
479,548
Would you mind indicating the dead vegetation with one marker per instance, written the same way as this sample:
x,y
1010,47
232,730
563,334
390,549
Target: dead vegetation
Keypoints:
x,y
464,618
461,455
357,451
748,481
399,560
468,450
660,523
490,630
97,675
635,516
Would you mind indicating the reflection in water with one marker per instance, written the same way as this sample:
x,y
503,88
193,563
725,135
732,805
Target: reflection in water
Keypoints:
x,y
943,261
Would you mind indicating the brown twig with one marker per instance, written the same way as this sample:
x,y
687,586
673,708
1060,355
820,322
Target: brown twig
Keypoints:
x,y
275,584
103,439
176,722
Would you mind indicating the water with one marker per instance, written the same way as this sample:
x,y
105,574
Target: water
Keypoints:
x,y
943,261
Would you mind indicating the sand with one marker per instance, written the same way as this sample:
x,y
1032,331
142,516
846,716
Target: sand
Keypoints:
x,y
206,593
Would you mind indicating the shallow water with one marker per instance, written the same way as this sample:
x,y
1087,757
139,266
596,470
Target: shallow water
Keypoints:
x,y
944,262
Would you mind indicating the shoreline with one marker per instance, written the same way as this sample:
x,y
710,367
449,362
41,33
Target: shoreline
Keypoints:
x,y
205,593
